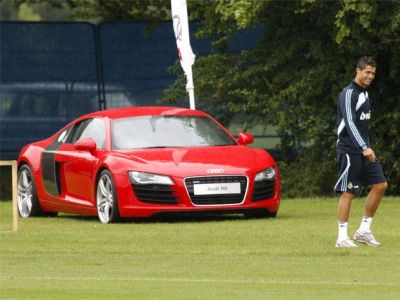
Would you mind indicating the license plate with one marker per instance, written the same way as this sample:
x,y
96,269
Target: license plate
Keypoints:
x,y
217,188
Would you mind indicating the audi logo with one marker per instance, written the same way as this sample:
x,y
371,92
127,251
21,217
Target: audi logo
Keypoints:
x,y
215,171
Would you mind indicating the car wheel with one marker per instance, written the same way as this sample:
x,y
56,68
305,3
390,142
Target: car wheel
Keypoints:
x,y
28,203
258,214
106,198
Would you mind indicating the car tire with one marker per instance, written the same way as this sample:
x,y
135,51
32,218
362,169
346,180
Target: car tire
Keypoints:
x,y
106,198
28,202
259,214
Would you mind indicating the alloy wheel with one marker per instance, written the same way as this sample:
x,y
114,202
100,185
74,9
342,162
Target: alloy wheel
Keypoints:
x,y
105,198
25,193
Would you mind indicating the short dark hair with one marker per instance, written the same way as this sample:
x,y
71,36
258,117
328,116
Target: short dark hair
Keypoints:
x,y
365,61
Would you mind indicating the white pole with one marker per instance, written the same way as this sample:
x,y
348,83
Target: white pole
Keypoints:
x,y
190,89
186,56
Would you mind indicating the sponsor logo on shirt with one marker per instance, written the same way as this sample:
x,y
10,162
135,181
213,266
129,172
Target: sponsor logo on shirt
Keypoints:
x,y
365,116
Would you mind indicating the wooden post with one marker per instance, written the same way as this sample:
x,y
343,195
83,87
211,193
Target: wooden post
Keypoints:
x,y
13,165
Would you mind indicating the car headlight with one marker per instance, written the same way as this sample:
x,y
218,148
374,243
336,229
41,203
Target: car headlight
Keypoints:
x,y
268,174
148,178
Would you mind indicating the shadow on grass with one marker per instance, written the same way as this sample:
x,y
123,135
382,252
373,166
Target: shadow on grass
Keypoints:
x,y
181,217
187,218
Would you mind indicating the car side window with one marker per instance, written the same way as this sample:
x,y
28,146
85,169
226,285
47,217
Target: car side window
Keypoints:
x,y
63,137
90,128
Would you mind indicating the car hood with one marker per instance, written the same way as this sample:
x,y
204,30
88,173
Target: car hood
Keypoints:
x,y
182,162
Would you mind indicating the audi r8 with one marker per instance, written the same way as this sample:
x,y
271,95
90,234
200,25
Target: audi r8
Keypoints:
x,y
142,161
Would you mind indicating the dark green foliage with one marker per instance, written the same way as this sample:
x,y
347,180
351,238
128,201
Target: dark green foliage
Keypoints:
x,y
121,10
293,77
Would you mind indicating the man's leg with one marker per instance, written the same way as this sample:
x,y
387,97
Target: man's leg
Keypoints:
x,y
363,234
374,198
344,206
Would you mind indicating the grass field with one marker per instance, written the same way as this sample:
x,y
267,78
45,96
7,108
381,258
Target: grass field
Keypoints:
x,y
290,257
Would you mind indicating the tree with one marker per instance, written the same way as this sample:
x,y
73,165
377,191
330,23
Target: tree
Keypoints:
x,y
86,10
293,76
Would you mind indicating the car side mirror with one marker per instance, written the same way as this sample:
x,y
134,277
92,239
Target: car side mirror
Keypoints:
x,y
86,145
245,138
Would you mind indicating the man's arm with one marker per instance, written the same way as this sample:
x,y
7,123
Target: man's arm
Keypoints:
x,y
349,114
370,154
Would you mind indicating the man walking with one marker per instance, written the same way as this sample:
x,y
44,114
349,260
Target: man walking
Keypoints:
x,y
358,165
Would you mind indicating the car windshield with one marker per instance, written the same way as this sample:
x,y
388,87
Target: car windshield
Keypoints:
x,y
167,131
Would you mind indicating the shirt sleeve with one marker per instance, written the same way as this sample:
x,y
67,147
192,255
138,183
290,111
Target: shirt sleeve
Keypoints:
x,y
349,114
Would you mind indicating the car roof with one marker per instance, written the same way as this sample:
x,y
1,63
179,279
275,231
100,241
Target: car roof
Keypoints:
x,y
125,112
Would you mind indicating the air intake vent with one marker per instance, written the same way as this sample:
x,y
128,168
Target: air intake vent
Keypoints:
x,y
154,193
263,190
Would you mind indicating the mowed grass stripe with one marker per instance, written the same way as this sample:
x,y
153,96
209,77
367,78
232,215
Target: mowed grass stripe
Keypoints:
x,y
290,257
205,280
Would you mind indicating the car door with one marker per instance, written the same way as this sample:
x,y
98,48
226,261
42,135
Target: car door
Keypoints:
x,y
77,167
50,169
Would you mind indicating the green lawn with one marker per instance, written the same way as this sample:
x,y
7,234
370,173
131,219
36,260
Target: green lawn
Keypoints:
x,y
290,257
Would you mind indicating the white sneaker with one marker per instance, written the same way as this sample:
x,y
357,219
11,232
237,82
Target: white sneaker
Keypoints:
x,y
345,244
366,238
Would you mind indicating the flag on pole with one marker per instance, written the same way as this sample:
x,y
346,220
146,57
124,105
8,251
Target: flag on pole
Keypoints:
x,y
186,56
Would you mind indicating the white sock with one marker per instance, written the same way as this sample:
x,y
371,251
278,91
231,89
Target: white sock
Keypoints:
x,y
342,231
365,224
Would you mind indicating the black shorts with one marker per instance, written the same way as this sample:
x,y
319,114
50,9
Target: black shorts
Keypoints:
x,y
356,171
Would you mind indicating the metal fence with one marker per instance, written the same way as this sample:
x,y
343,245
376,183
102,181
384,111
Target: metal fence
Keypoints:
x,y
53,72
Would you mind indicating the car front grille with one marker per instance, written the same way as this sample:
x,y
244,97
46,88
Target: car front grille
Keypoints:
x,y
154,193
263,190
217,199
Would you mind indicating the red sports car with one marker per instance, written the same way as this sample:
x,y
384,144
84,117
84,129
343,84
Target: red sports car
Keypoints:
x,y
141,161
